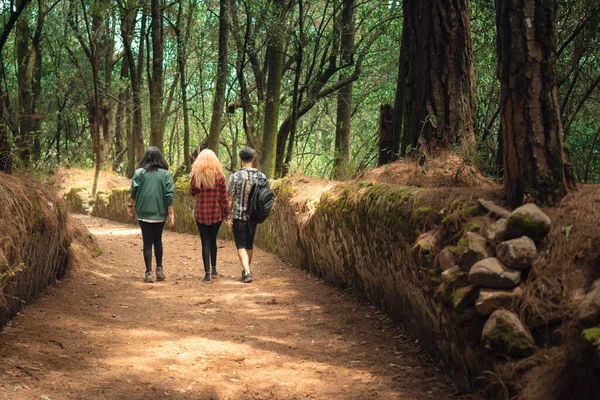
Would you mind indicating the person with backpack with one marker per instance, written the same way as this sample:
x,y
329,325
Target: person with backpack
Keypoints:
x,y
208,186
252,201
152,193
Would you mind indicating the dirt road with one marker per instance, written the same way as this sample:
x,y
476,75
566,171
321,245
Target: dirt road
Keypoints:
x,y
102,333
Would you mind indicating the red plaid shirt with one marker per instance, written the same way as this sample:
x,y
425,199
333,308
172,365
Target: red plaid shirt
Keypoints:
x,y
212,205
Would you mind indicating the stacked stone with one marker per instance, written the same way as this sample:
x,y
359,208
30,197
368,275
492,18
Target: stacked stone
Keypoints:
x,y
492,265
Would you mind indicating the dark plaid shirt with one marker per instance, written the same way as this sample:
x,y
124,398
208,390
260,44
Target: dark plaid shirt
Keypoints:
x,y
212,205
239,187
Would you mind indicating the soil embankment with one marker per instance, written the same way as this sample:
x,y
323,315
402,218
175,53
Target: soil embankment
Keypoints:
x,y
34,242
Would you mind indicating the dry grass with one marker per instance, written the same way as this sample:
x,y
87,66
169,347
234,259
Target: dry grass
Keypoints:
x,y
448,170
63,179
32,238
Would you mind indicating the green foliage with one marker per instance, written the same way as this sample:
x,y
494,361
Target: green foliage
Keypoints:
x,y
66,81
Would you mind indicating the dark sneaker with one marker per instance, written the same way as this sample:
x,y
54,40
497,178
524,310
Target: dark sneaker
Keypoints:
x,y
148,278
160,274
207,278
214,272
243,276
247,278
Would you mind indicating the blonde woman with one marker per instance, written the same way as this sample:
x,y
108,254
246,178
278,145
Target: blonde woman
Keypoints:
x,y
212,206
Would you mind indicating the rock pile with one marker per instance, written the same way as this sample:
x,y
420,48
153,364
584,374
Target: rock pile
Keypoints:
x,y
487,269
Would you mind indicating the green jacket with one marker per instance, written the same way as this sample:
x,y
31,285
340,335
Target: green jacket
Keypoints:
x,y
153,192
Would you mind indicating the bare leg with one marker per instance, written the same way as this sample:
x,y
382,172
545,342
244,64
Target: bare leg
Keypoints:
x,y
245,257
250,253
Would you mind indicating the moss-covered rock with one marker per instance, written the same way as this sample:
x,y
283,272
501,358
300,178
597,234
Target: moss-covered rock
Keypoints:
x,y
464,297
470,249
528,220
78,200
591,335
506,335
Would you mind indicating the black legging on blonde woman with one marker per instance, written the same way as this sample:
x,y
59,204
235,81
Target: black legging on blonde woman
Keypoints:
x,y
208,236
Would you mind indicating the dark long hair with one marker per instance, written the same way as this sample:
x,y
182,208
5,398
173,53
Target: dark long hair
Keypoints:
x,y
152,160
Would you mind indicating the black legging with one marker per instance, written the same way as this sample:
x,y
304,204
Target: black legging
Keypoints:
x,y
208,237
152,236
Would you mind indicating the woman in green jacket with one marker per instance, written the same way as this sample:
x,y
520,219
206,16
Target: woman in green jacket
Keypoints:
x,y
152,192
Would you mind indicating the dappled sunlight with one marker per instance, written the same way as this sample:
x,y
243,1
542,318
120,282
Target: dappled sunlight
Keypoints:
x,y
115,232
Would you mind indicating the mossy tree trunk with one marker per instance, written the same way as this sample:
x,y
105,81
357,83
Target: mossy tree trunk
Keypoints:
x,y
399,105
216,123
5,151
341,158
156,78
135,143
274,60
531,129
440,84
25,71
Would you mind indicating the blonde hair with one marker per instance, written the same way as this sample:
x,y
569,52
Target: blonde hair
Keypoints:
x,y
206,169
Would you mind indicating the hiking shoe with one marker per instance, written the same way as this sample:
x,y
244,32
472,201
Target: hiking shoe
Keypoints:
x,y
247,278
207,278
160,274
148,278
214,272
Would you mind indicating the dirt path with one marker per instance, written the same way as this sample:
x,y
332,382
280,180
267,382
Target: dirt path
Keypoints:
x,y
102,333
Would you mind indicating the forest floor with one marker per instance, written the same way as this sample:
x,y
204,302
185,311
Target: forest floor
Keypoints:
x,y
102,333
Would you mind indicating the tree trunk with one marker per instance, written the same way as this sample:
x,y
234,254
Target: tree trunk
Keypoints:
x,y
440,85
398,141
273,95
5,151
182,50
156,78
386,135
94,104
25,73
122,117
344,99
532,136
222,75
135,144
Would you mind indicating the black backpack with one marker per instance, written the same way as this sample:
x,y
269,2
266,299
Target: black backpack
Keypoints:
x,y
260,201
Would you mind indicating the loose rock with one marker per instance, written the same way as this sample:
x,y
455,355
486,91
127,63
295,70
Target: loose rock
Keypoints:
x,y
495,232
517,253
504,333
446,259
589,308
491,300
491,273
470,249
464,297
455,277
528,220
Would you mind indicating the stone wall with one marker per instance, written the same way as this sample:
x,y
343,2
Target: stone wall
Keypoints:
x,y
365,236
34,242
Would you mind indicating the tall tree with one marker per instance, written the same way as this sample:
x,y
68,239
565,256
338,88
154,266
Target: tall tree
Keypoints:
x,y
531,129
222,74
274,61
29,63
156,77
182,50
399,104
440,84
5,147
135,144
344,97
